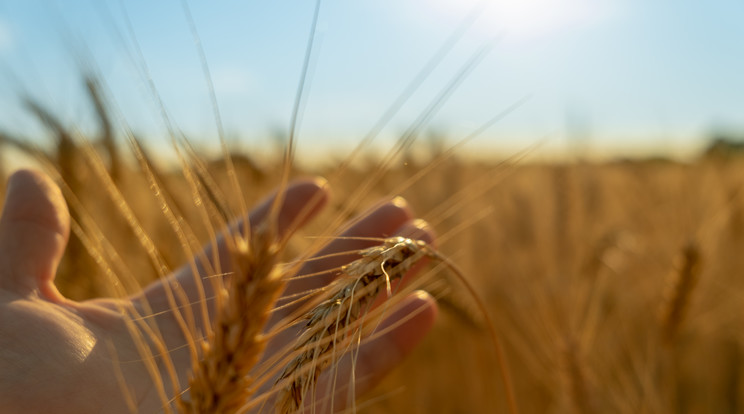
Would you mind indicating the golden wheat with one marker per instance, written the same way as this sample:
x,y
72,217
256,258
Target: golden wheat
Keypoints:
x,y
331,323
573,308
220,380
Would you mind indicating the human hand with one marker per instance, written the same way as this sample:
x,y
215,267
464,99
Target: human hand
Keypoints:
x,y
62,356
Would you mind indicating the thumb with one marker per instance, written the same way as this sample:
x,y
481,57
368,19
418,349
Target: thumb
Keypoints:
x,y
34,228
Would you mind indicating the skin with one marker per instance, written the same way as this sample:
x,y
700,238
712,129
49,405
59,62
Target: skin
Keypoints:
x,y
56,354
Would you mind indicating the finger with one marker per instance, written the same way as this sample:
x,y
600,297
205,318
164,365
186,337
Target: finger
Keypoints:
x,y
34,229
383,221
399,334
379,223
416,229
385,217
301,202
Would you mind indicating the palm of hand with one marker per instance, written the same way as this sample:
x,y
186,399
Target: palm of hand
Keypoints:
x,y
62,356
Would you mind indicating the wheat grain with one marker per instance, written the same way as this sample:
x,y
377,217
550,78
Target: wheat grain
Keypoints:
x,y
329,322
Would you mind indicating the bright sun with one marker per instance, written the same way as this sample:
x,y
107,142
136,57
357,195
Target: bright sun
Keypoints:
x,y
529,18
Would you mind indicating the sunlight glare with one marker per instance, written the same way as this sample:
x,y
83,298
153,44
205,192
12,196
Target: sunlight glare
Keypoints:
x,y
529,18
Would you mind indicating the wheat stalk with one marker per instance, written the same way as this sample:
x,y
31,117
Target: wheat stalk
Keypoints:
x,y
676,304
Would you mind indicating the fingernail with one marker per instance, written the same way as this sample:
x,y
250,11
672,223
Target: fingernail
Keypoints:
x,y
399,202
321,182
422,225
421,295
423,231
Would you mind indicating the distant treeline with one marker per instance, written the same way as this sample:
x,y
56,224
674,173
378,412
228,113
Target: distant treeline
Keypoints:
x,y
725,145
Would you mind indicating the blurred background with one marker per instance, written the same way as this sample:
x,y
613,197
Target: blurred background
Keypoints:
x,y
602,77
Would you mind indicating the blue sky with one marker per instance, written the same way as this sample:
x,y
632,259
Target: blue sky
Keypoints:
x,y
630,75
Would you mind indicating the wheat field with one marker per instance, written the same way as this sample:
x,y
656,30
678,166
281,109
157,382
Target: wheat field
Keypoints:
x,y
613,286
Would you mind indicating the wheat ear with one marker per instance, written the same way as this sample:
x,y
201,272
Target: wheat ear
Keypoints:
x,y
220,380
329,322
